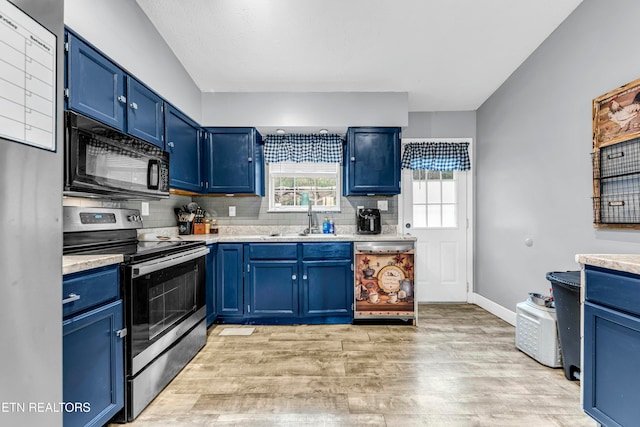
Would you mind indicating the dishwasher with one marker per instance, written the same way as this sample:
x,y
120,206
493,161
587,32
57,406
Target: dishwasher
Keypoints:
x,y
384,281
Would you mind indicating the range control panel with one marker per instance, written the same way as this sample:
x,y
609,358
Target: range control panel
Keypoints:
x,y
76,218
97,218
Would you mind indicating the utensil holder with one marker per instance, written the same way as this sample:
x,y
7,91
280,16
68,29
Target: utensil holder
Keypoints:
x,y
184,228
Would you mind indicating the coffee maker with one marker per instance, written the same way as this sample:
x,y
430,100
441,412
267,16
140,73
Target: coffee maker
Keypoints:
x,y
368,221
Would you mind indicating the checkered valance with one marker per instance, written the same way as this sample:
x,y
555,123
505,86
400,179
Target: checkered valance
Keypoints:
x,y
303,148
436,156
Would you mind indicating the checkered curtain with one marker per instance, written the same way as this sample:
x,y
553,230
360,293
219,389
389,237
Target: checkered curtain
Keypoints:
x,y
436,156
303,148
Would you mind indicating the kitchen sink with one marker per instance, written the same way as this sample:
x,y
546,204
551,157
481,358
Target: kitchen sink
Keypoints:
x,y
307,236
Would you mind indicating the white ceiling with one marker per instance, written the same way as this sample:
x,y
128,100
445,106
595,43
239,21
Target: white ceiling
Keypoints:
x,y
448,55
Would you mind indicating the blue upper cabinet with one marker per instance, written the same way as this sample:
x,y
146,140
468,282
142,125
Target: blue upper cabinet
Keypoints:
x,y
100,89
184,144
372,161
96,86
234,161
144,113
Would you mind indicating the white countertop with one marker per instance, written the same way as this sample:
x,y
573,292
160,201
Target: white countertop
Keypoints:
x,y
620,262
293,237
75,263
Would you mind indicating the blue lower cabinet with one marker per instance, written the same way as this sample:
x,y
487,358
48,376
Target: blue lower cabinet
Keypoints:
x,y
610,373
272,288
93,371
230,282
284,283
326,289
210,283
611,347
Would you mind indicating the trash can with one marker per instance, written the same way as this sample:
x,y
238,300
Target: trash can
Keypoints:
x,y
566,293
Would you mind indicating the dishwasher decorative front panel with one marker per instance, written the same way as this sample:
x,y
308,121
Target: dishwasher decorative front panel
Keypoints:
x,y
384,284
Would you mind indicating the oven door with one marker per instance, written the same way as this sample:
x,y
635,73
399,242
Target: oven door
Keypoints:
x,y
165,299
101,160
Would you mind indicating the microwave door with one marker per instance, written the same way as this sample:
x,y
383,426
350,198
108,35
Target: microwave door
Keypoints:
x,y
153,175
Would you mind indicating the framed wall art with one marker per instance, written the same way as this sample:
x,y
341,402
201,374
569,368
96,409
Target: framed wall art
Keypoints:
x,y
616,115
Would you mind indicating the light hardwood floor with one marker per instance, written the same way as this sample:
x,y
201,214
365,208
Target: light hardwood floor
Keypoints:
x,y
457,367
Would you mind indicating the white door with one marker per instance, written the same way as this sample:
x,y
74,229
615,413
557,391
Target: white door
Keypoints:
x,y
435,212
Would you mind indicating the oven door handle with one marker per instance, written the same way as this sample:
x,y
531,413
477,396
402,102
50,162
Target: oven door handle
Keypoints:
x,y
147,267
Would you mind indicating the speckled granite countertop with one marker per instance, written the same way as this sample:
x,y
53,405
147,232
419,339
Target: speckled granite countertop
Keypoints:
x,y
241,238
75,263
620,262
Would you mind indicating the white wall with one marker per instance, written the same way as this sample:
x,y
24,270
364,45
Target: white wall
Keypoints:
x,y
437,124
124,33
533,164
304,111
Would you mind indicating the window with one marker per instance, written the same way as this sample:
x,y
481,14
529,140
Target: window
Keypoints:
x,y
434,199
292,184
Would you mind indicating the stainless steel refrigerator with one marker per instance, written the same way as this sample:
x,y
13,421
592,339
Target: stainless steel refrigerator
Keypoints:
x,y
31,220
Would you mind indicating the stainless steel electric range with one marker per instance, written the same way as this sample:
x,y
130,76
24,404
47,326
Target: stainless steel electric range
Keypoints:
x,y
163,288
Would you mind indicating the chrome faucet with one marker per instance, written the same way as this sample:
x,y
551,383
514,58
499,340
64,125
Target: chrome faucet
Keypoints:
x,y
309,229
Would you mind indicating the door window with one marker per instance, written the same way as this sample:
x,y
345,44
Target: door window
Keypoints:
x,y
434,199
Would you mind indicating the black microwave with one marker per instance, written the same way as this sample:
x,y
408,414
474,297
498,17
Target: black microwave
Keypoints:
x,y
103,162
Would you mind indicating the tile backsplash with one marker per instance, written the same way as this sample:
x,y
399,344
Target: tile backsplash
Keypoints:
x,y
250,210
254,211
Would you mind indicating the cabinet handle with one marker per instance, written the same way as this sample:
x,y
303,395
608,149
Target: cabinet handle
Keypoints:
x,y
121,333
171,144
353,159
304,277
616,155
71,298
250,159
133,106
122,99
293,277
617,203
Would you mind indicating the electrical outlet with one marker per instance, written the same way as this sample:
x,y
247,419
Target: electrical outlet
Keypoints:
x,y
383,205
144,208
232,211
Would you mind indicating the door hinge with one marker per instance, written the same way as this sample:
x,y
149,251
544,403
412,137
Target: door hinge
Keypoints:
x,y
351,266
122,333
66,46
66,92
352,307
467,223
248,268
249,308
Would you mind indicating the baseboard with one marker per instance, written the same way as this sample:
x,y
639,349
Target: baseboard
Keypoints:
x,y
493,308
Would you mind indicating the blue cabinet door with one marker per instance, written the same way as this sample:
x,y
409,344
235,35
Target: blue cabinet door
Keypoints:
x,y
211,284
610,373
273,288
234,161
372,161
184,144
145,119
93,370
229,281
327,288
96,85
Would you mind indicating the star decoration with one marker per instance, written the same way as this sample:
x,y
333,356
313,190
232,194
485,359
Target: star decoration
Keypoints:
x,y
398,259
366,260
